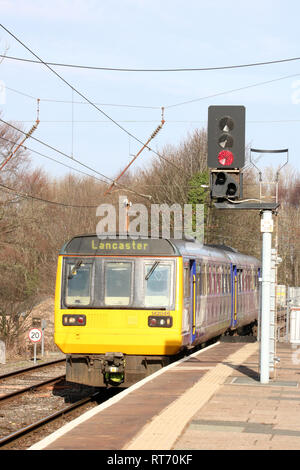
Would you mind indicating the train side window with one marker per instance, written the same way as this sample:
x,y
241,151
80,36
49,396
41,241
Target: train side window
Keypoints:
x,y
203,279
239,281
199,284
224,280
214,287
220,280
186,281
199,279
118,277
229,279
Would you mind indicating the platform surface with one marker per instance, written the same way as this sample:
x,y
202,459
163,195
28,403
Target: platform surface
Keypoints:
x,y
210,400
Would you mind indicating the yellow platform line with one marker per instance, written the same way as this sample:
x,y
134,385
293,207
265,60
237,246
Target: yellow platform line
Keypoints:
x,y
162,432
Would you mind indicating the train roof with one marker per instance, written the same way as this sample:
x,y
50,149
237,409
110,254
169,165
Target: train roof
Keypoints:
x,y
91,244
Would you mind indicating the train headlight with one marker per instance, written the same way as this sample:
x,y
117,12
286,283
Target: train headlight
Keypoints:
x,y
74,320
160,322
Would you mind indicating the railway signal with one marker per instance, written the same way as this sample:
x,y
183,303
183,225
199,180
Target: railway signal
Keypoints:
x,y
226,137
224,186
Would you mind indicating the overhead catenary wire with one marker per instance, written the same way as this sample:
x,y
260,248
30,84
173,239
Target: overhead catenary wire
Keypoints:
x,y
25,147
170,121
194,100
121,185
169,106
53,100
88,100
174,69
40,199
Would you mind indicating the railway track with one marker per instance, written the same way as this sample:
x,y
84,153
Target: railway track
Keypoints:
x,y
26,370
25,431
22,374
37,404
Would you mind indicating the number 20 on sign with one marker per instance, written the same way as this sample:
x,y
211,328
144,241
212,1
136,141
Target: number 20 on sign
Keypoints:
x,y
35,335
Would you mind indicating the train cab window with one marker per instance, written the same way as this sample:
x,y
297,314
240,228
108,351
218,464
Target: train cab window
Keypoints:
x,y
158,284
78,284
117,283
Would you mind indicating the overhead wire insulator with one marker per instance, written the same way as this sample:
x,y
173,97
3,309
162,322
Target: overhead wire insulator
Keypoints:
x,y
139,152
29,133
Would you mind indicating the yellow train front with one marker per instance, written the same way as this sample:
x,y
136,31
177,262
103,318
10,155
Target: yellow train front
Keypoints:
x,y
125,307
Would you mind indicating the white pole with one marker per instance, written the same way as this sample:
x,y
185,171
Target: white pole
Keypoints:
x,y
34,353
266,228
43,349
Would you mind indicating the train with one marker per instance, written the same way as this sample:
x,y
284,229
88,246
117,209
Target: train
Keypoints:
x,y
126,307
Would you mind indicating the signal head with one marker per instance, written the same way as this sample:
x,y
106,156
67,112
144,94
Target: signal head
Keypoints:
x,y
226,137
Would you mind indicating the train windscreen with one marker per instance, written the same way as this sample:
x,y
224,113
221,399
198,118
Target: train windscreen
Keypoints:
x,y
158,285
136,283
117,283
78,286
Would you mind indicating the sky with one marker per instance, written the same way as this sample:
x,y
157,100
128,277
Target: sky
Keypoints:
x,y
148,34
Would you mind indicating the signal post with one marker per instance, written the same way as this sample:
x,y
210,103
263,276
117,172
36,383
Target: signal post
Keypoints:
x,y
226,159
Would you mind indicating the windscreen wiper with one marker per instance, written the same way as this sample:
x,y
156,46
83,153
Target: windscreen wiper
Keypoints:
x,y
154,266
74,269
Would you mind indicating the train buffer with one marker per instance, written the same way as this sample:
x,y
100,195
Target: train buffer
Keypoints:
x,y
211,400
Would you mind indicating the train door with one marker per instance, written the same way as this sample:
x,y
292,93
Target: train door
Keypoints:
x,y
193,299
234,295
189,314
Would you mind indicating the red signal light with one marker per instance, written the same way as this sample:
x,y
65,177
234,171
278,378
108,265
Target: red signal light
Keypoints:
x,y
225,158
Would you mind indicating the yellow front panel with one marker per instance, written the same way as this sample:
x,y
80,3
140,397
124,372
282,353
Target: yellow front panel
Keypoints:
x,y
114,330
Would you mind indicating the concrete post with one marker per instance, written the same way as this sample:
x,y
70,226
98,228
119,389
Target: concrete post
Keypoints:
x,y
266,229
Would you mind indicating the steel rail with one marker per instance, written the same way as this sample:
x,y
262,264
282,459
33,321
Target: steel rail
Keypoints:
x,y
31,368
8,396
21,432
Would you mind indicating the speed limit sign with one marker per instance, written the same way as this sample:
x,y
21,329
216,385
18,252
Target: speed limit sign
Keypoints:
x,y
35,335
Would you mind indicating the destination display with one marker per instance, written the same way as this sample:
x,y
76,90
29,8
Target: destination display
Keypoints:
x,y
91,244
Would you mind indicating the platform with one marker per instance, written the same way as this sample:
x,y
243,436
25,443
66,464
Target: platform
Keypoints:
x,y
210,400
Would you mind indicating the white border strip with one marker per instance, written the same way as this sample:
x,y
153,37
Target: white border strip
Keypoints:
x,y
89,414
